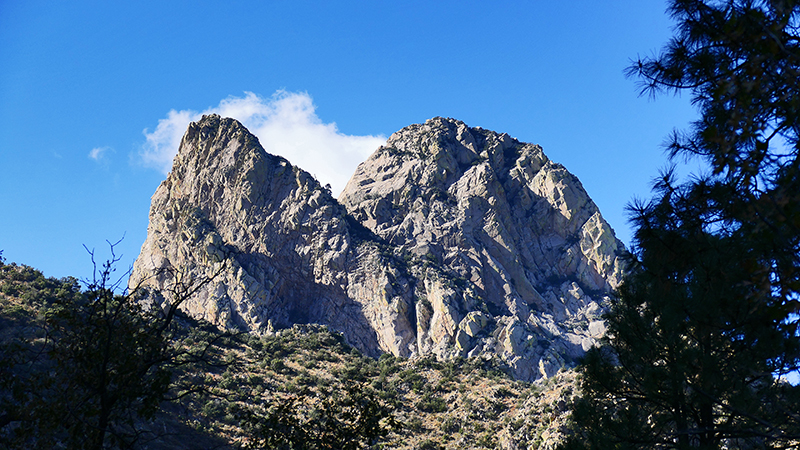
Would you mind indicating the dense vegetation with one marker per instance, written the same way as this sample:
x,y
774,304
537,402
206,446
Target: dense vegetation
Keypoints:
x,y
303,387
705,327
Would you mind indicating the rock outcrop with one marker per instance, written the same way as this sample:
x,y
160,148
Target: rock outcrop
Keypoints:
x,y
513,256
448,240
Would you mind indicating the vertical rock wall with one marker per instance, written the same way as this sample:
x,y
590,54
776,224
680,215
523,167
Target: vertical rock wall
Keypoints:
x,y
512,255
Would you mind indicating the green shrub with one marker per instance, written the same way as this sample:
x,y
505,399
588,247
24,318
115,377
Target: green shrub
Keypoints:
x,y
430,403
450,425
429,444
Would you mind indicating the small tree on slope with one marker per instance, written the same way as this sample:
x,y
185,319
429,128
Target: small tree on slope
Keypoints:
x,y
96,365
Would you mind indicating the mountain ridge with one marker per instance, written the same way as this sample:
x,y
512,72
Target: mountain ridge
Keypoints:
x,y
447,241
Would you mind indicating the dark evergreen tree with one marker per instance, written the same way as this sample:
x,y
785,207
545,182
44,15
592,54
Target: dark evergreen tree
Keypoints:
x,y
705,325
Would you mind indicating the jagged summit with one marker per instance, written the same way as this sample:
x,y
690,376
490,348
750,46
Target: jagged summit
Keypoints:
x,y
448,240
442,180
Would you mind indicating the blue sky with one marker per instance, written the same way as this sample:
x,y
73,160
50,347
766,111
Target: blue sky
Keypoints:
x,y
93,95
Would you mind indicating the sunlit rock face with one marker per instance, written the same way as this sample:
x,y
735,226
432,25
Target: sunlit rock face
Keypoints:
x,y
510,254
448,241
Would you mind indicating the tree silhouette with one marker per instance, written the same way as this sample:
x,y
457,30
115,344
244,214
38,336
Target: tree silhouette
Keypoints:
x,y
351,418
96,364
705,325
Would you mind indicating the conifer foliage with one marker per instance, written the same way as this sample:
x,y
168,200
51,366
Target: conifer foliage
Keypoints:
x,y
705,326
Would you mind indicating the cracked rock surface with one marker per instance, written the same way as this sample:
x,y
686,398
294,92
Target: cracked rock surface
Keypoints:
x,y
448,240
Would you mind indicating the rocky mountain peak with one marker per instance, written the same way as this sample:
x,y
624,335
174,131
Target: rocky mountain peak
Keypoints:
x,y
448,240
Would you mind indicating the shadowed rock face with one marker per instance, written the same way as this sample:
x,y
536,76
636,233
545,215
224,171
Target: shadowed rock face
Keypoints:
x,y
449,241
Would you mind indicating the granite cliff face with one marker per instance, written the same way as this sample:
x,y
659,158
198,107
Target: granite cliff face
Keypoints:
x,y
518,257
448,240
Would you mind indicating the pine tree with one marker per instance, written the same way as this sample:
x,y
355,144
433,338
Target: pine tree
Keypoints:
x,y
705,325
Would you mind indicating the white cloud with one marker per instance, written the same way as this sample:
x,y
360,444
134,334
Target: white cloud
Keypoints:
x,y
161,145
286,124
98,153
